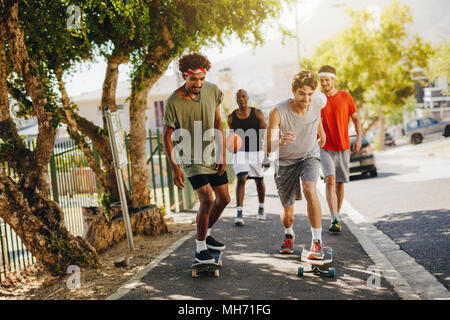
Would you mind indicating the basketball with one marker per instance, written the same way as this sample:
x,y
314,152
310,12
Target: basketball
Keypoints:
x,y
233,142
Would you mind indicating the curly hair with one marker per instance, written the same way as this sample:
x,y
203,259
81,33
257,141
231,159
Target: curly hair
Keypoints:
x,y
194,61
327,68
304,78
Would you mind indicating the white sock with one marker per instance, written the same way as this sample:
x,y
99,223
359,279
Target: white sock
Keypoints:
x,y
239,209
208,233
317,233
336,216
289,231
201,245
261,205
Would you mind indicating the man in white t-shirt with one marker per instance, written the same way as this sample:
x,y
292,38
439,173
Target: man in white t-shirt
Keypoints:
x,y
293,128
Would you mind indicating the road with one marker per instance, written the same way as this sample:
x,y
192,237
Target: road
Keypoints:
x,y
253,268
410,202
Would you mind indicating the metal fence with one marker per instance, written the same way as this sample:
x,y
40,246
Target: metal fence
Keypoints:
x,y
74,185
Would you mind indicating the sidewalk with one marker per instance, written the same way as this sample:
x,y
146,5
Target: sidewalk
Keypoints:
x,y
253,268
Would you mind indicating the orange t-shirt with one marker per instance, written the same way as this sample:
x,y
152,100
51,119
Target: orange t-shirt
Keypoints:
x,y
335,119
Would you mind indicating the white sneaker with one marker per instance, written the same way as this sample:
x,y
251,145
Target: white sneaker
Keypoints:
x,y
261,217
239,220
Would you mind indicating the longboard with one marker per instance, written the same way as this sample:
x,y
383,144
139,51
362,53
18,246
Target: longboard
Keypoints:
x,y
318,267
198,268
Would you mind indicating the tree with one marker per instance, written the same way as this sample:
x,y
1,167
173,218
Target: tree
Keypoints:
x,y
24,202
374,61
37,51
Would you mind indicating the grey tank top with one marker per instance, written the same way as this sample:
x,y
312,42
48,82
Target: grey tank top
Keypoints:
x,y
305,127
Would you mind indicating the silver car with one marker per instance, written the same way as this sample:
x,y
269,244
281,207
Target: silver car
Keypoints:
x,y
422,128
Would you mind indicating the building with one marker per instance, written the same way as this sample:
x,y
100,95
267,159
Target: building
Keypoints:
x,y
89,103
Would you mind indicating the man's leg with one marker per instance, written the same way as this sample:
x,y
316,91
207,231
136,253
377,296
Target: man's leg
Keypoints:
x,y
334,202
339,195
240,193
331,191
261,189
203,216
206,199
287,219
222,200
287,180
328,163
315,219
312,204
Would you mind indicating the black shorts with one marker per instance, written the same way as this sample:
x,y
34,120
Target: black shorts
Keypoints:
x,y
214,180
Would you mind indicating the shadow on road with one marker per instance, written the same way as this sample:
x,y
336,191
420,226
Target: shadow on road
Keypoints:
x,y
253,268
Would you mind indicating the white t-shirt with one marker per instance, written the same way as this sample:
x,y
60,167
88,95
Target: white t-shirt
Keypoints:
x,y
305,126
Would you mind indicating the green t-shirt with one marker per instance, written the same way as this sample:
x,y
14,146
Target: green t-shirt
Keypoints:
x,y
196,123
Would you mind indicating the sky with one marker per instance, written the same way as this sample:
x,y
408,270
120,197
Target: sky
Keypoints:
x,y
317,20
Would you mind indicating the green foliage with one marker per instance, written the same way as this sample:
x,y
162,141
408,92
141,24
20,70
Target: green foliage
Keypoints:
x,y
439,65
374,64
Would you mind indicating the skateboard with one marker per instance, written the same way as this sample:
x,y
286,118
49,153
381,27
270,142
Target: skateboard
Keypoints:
x,y
318,267
198,268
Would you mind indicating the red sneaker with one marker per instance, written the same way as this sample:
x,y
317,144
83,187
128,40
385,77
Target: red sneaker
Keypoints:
x,y
288,244
316,251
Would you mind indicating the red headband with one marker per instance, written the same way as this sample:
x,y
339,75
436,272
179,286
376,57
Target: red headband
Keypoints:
x,y
193,71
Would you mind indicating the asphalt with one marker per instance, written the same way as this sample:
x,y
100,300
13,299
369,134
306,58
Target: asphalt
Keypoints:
x,y
253,268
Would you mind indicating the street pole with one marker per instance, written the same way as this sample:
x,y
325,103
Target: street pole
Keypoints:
x,y
113,131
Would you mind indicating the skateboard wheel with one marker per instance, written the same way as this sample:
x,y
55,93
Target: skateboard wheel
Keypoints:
x,y
216,273
300,271
194,273
332,273
220,263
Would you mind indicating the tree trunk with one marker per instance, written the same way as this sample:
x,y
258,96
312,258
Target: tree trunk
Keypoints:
x,y
140,173
42,230
381,129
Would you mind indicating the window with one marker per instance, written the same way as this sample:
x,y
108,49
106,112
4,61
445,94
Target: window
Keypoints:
x,y
412,124
159,113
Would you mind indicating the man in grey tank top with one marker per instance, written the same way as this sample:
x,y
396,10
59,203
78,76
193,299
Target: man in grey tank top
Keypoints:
x,y
292,132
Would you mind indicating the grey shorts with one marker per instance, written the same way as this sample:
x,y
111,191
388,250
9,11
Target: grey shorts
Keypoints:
x,y
287,179
336,163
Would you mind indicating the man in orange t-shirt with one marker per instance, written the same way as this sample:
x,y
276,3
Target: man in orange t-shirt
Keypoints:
x,y
335,154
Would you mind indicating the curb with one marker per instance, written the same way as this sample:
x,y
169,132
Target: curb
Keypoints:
x,y
410,280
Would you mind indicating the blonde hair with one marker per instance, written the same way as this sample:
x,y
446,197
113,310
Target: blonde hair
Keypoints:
x,y
304,78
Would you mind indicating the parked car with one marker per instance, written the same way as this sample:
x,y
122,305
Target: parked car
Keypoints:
x,y
389,140
422,128
364,160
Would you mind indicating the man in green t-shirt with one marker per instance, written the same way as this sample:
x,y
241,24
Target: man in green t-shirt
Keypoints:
x,y
192,118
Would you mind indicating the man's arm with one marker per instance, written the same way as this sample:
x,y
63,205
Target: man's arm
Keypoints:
x,y
178,176
357,124
322,135
230,121
272,132
260,116
221,161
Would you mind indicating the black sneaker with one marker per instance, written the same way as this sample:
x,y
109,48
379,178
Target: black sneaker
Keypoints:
x,y
204,257
212,243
